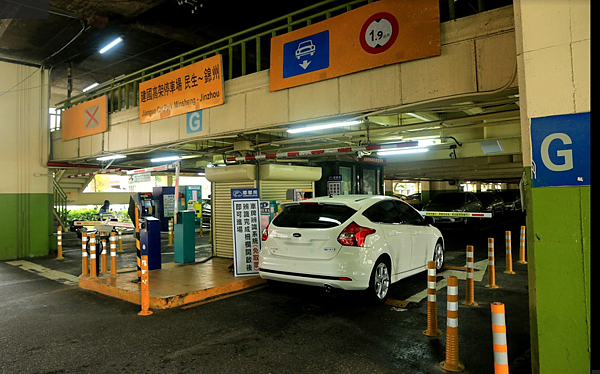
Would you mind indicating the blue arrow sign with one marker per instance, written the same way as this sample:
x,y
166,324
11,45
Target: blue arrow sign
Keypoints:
x,y
306,55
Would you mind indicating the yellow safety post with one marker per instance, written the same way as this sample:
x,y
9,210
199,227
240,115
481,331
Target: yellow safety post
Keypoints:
x,y
84,254
59,255
432,325
470,293
491,265
452,363
145,288
522,247
120,242
509,268
499,339
93,255
170,232
113,253
103,259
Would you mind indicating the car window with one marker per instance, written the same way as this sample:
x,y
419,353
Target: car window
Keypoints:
x,y
383,212
313,215
409,215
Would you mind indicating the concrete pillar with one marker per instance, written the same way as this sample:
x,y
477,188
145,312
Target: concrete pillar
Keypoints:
x,y
553,54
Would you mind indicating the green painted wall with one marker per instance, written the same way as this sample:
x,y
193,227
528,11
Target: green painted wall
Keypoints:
x,y
27,225
558,241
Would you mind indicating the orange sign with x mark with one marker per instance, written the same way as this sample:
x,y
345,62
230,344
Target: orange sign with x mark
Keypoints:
x,y
85,119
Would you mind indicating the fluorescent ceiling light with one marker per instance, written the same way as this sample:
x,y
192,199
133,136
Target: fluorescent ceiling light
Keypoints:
x,y
110,157
389,152
202,174
323,127
90,87
168,158
424,116
111,44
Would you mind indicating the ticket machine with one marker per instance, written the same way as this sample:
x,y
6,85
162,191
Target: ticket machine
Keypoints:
x,y
147,228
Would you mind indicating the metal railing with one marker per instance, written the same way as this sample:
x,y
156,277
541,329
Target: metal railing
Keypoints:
x,y
243,53
60,203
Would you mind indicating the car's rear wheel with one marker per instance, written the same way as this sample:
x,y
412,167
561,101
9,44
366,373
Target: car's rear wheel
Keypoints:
x,y
438,256
380,281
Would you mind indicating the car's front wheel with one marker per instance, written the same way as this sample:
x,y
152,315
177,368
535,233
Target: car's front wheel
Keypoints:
x,y
380,281
438,256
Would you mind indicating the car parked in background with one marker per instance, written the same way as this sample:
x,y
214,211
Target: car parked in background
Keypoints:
x,y
492,202
453,202
351,242
415,203
512,200
206,212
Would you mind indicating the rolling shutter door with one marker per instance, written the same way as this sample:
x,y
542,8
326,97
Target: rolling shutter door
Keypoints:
x,y
221,215
275,190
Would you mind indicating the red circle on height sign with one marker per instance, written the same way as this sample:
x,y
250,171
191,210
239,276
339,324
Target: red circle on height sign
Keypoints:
x,y
379,33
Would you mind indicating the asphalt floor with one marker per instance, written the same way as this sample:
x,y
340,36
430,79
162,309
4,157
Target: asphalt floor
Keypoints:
x,y
50,325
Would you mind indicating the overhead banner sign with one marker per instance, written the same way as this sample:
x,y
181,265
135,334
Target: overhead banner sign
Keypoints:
x,y
381,33
245,211
88,118
188,89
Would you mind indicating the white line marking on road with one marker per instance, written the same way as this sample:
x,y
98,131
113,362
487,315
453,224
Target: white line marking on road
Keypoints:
x,y
54,275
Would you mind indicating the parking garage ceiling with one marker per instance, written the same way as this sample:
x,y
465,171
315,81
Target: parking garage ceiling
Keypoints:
x,y
156,30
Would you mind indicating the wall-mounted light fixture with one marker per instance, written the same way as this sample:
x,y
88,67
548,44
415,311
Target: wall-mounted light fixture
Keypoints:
x,y
324,126
110,157
90,87
391,152
165,159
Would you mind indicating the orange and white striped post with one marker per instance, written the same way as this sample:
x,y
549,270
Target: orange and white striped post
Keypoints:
x,y
145,288
491,265
522,247
170,232
103,258
452,363
59,255
93,255
509,268
120,242
84,254
432,325
499,339
113,253
470,293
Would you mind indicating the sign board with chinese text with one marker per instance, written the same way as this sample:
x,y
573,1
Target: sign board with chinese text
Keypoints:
x,y
187,89
381,33
245,212
88,118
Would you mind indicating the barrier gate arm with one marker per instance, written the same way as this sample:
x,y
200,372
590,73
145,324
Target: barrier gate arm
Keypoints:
x,y
456,214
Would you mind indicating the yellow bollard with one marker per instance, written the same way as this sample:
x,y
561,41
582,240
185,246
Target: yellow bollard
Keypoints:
x,y
103,259
59,255
113,253
170,232
432,325
470,293
93,255
452,363
499,339
120,242
509,268
84,254
522,247
145,288
491,265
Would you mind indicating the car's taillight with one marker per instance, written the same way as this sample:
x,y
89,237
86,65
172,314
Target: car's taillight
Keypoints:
x,y
354,235
265,233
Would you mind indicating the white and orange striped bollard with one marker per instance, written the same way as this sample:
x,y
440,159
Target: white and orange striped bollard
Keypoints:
x,y
432,325
452,363
59,254
499,339
470,293
84,254
93,269
509,268
120,241
522,247
113,253
170,232
491,265
103,258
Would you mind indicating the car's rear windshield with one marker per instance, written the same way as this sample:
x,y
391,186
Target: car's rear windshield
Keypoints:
x,y
313,215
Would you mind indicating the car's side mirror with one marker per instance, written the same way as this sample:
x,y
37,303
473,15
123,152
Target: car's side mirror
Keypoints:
x,y
429,220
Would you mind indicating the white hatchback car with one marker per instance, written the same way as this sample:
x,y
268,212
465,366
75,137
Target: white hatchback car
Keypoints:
x,y
352,242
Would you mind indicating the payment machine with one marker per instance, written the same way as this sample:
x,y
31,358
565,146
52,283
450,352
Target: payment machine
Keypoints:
x,y
147,229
